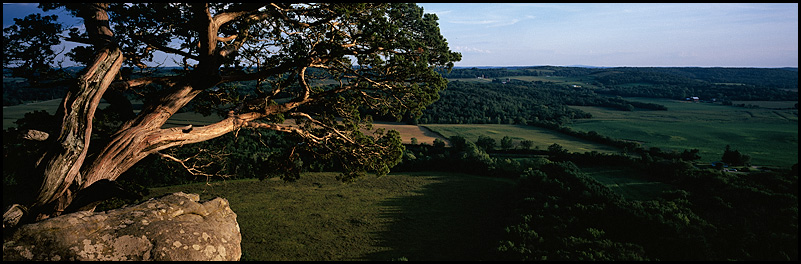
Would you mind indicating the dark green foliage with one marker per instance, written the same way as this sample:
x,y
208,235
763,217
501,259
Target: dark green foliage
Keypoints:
x,y
526,144
755,215
720,83
557,215
506,143
28,47
18,153
490,103
519,102
734,157
568,216
485,143
261,154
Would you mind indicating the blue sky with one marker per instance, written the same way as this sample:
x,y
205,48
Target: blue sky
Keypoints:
x,y
704,35
607,34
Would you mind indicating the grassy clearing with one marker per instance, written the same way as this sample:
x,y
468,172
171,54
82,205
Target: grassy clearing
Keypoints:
x,y
769,136
627,182
542,137
416,216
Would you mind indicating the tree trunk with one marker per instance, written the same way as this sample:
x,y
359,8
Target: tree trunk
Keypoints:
x,y
60,165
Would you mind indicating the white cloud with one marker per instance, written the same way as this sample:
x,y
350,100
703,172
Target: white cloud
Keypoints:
x,y
464,49
487,22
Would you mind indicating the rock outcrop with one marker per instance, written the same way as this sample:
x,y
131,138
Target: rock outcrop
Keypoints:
x,y
173,227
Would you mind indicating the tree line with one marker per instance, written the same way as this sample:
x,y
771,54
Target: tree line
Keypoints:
x,y
518,102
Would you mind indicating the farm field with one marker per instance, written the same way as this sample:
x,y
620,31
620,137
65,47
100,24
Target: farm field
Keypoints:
x,y
769,136
408,216
542,137
420,133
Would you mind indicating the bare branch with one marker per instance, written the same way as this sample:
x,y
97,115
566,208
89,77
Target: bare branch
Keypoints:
x,y
169,50
193,169
334,130
125,85
287,129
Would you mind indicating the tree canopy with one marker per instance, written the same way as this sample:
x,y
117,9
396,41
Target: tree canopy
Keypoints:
x,y
325,65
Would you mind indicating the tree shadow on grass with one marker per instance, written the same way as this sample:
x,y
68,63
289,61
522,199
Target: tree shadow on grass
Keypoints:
x,y
459,217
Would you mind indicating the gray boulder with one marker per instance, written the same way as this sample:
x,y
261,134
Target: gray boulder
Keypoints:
x,y
173,227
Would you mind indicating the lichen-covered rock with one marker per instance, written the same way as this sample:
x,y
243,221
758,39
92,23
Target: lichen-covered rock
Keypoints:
x,y
173,227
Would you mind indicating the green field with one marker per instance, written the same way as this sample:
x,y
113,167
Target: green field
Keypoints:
x,y
769,136
542,137
627,182
412,216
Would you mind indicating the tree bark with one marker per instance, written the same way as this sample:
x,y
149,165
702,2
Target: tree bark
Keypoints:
x,y
61,164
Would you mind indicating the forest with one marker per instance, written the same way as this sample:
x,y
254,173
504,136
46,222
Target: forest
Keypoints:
x,y
562,213
723,84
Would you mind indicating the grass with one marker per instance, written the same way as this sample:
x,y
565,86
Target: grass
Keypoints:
x,y
413,216
541,137
769,136
627,182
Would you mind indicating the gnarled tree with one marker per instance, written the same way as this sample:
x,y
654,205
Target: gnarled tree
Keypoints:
x,y
381,57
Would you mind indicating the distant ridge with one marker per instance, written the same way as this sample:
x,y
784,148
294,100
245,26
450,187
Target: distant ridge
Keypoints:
x,y
609,67
587,66
531,66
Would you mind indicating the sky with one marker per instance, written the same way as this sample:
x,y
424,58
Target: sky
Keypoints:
x,y
607,34
636,35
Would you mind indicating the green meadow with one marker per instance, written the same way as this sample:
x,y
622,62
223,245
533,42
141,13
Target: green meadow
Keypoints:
x,y
769,136
407,216
541,137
